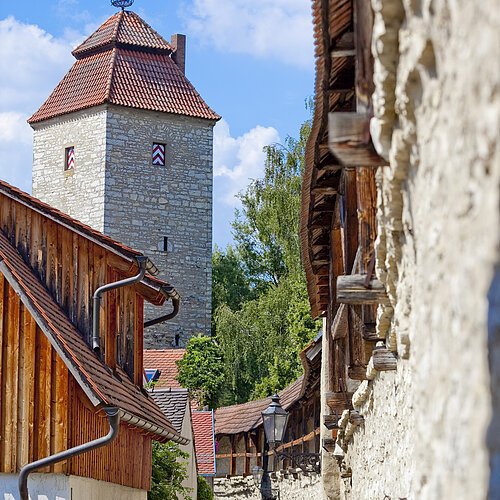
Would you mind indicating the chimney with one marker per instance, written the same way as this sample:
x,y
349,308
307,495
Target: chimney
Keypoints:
x,y
178,43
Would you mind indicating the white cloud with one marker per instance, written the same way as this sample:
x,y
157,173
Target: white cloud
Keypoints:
x,y
31,64
276,29
238,160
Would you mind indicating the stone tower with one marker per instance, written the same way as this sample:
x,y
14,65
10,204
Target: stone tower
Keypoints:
x,y
125,144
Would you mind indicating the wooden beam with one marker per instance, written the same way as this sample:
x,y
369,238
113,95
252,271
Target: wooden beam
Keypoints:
x,y
357,372
339,401
324,190
343,53
351,289
349,140
383,359
331,421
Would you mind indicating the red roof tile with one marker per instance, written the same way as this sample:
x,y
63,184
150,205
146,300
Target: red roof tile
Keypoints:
x,y
165,361
125,62
125,28
204,441
95,378
244,417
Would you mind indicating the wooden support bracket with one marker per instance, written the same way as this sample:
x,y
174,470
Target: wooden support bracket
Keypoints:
x,y
383,359
349,140
339,401
351,290
357,372
331,421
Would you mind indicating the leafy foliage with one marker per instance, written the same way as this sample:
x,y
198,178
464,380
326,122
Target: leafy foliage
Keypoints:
x,y
230,285
262,332
169,471
204,490
201,369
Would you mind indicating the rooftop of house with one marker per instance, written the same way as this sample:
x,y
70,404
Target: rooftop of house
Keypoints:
x,y
244,417
204,441
173,404
97,381
164,360
127,63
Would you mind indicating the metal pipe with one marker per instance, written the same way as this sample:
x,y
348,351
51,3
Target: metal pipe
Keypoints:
x,y
114,426
142,262
176,306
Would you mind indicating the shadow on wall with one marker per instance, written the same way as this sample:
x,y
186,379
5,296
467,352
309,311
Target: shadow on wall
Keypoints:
x,y
494,359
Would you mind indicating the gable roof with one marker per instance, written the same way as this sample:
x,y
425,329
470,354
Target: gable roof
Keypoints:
x,y
165,361
204,441
101,386
244,417
173,404
126,63
153,289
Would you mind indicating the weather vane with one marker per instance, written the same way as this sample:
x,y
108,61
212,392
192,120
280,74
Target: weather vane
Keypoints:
x,y
122,3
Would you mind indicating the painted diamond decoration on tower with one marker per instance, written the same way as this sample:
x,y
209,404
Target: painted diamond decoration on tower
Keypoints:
x,y
70,158
159,154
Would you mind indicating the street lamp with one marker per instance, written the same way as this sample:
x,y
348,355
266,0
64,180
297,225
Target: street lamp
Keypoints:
x,y
275,420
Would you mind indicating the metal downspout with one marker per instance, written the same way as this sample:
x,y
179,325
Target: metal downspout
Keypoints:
x,y
176,306
114,425
142,262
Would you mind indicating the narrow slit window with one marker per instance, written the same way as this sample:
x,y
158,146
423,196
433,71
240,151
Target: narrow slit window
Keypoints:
x,y
69,158
165,244
158,154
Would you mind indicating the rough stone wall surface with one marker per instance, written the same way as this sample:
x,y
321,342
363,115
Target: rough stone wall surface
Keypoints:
x,y
285,486
437,120
115,188
79,193
145,203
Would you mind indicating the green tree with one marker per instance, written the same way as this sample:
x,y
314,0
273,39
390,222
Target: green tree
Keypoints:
x,y
204,490
201,369
230,285
261,340
169,471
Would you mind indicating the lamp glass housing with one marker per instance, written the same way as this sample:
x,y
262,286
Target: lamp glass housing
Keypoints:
x,y
275,420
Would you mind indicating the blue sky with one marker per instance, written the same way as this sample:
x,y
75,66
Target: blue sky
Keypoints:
x,y
251,60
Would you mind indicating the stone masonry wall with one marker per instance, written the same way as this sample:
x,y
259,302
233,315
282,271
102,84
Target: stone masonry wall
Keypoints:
x,y
437,119
80,192
285,486
115,188
145,203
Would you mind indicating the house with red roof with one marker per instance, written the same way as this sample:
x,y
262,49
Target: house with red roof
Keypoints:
x,y
75,419
166,388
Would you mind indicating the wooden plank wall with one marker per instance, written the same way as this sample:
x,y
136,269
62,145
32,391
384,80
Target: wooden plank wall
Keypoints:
x,y
72,268
126,461
34,389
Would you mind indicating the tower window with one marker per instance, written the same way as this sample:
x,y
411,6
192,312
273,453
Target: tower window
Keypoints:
x,y
69,158
158,157
165,244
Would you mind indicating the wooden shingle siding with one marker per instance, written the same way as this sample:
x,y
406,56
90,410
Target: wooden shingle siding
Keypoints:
x,y
126,461
72,267
34,388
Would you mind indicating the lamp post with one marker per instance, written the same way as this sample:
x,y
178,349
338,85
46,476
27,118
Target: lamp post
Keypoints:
x,y
275,420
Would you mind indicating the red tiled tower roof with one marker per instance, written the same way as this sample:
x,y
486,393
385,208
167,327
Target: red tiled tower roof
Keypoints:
x,y
127,63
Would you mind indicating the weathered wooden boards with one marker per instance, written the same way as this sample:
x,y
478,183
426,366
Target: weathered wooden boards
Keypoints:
x,y
349,140
352,289
33,387
72,267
